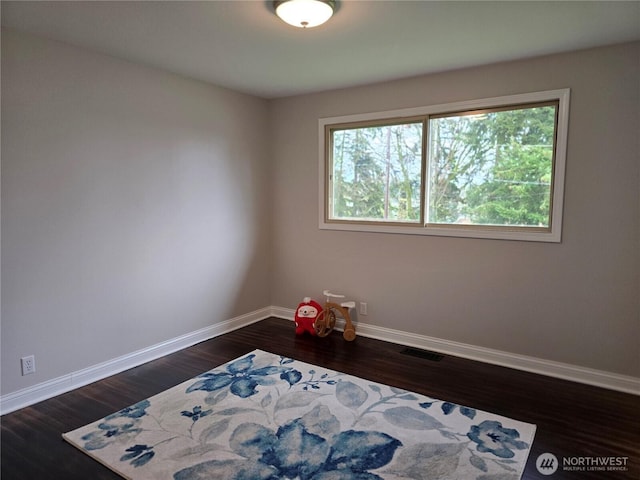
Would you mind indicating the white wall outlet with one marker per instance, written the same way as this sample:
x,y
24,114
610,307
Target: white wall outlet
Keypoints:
x,y
28,365
363,308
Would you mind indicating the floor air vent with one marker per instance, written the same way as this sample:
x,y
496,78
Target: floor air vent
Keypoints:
x,y
424,354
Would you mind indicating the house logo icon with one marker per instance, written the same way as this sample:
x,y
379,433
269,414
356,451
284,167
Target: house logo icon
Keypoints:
x,y
547,464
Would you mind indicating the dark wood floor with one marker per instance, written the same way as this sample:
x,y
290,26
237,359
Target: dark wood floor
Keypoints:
x,y
573,420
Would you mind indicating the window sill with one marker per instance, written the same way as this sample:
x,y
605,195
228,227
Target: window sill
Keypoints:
x,y
520,234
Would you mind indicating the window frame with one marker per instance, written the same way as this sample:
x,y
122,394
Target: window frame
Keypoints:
x,y
553,233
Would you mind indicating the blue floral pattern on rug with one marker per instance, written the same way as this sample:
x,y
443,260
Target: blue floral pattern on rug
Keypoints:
x,y
267,417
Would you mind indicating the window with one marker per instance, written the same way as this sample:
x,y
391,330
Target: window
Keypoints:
x,y
488,169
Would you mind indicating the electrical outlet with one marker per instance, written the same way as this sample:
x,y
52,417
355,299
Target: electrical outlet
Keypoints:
x,y
28,365
363,308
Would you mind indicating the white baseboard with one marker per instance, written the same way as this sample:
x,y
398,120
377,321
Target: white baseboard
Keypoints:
x,y
45,390
42,391
598,378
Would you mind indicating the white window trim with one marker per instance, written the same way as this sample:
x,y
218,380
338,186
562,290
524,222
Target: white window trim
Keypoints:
x,y
554,234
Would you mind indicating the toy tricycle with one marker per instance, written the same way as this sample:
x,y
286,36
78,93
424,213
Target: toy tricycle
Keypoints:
x,y
326,320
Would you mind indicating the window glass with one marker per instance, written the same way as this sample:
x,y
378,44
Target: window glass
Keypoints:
x,y
376,173
492,167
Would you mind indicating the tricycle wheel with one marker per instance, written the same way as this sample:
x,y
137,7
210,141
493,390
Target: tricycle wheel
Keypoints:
x,y
349,334
325,322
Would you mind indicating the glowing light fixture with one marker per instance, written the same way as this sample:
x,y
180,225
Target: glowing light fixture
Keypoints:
x,y
304,13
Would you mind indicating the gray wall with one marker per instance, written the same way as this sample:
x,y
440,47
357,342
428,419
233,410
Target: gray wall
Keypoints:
x,y
574,302
134,207
138,206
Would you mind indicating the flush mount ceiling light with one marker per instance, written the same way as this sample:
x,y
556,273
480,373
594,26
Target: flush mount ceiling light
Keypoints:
x,y
304,13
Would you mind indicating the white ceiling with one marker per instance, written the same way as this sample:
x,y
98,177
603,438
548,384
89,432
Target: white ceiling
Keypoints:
x,y
242,45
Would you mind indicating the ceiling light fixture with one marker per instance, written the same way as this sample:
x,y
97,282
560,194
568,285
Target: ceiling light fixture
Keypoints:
x,y
304,13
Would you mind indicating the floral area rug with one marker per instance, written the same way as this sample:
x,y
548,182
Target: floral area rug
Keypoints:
x,y
268,417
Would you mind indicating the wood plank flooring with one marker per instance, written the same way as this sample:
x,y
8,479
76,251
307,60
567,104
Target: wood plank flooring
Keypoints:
x,y
573,420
